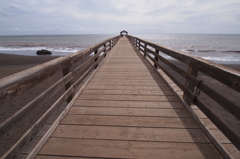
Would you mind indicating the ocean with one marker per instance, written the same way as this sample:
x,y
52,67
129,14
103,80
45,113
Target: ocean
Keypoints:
x,y
217,48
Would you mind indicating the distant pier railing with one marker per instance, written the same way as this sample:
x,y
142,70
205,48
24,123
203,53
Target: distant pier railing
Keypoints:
x,y
226,113
73,70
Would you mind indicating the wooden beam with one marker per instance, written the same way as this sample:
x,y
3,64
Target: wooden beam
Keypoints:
x,y
192,70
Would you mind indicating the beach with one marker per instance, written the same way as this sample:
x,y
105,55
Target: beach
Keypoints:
x,y
10,64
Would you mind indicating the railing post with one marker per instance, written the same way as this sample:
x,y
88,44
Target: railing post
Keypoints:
x,y
192,70
111,44
145,49
104,49
95,52
65,72
138,44
156,58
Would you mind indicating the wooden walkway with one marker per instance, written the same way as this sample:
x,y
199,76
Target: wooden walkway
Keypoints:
x,y
127,111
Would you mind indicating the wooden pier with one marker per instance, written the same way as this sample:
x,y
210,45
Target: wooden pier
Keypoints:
x,y
127,111
119,104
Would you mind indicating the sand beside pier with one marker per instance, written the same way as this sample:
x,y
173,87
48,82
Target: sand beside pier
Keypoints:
x,y
10,64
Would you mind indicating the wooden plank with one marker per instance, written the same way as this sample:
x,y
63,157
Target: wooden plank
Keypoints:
x,y
122,74
45,137
19,83
100,77
31,132
128,87
123,65
129,97
225,121
233,150
119,83
107,125
130,104
143,81
96,87
129,111
220,136
125,76
43,97
126,70
126,149
130,133
192,70
152,122
59,157
223,74
129,92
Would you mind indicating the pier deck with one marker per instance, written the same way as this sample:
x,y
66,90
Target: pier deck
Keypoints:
x,y
127,111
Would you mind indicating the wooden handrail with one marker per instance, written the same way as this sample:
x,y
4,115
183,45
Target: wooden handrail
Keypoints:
x,y
218,114
73,74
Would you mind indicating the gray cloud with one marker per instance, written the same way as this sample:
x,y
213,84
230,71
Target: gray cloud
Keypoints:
x,y
110,16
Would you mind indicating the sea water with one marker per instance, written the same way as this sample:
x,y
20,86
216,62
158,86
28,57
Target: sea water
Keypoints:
x,y
59,45
218,48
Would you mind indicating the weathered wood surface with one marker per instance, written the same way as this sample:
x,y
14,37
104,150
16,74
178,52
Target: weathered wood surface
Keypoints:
x,y
114,119
73,68
231,150
219,113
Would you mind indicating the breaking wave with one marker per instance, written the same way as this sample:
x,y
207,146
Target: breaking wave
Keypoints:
x,y
60,49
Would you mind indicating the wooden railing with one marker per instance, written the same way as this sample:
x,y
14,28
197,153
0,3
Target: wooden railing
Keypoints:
x,y
225,114
73,70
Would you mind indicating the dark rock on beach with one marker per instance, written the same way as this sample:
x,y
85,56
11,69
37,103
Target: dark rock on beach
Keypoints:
x,y
43,52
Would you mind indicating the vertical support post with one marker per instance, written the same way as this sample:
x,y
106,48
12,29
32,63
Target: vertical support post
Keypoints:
x,y
156,58
65,72
110,45
95,52
104,49
192,69
138,44
145,49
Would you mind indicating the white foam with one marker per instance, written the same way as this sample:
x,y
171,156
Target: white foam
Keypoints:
x,y
61,49
226,58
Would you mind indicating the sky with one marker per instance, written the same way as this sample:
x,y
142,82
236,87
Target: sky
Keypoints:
x,y
34,17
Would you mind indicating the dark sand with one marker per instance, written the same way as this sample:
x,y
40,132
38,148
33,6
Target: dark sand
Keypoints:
x,y
10,64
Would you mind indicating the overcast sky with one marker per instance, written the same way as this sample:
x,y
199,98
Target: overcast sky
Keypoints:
x,y
21,17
